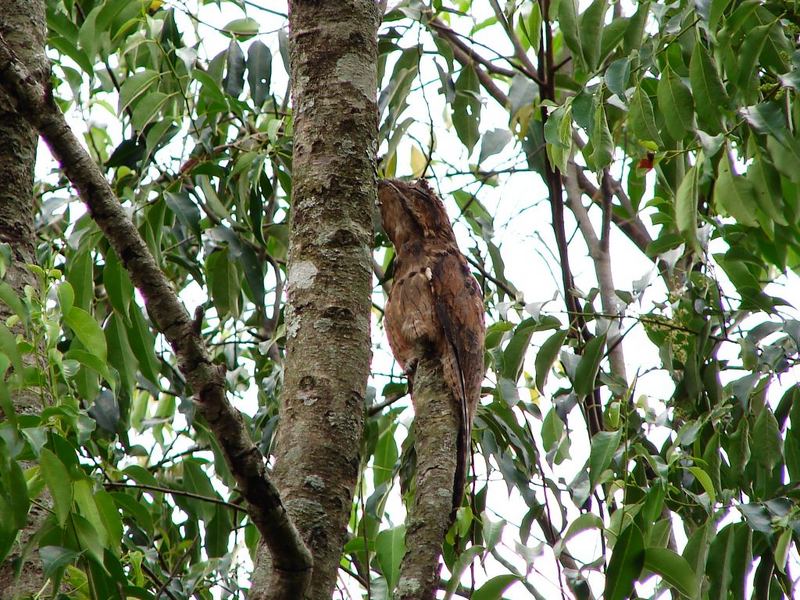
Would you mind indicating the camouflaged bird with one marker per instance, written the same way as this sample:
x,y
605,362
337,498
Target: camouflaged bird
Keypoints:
x,y
435,305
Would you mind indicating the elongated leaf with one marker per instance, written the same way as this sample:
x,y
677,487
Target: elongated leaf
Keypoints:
x,y
568,23
233,83
735,195
709,95
493,142
686,205
674,569
56,477
259,71
604,445
546,356
389,550
494,588
591,30
602,142
675,103
467,108
589,365
87,331
641,117
625,565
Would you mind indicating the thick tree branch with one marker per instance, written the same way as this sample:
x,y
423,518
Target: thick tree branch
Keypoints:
x,y
34,100
430,517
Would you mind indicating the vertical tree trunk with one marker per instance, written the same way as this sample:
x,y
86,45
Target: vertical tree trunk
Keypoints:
x,y
333,73
24,26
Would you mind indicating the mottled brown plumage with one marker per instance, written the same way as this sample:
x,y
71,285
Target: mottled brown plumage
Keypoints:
x,y
435,305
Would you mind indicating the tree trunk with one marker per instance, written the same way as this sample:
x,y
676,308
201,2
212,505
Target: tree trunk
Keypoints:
x,y
333,74
24,26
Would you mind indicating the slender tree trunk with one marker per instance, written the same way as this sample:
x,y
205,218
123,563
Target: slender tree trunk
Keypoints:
x,y
24,26
333,73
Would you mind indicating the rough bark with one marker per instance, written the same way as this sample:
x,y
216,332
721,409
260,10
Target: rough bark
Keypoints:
x,y
334,83
23,24
33,99
431,515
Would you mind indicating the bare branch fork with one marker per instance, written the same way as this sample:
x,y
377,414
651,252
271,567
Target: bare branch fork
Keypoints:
x,y
33,97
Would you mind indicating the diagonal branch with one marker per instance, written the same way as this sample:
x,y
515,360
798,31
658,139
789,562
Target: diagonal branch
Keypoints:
x,y
34,100
599,252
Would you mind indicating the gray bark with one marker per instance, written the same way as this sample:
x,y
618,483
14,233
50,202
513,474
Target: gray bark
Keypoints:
x,y
334,83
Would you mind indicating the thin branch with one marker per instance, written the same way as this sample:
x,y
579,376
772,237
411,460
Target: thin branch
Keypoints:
x,y
599,252
465,58
34,100
519,51
455,39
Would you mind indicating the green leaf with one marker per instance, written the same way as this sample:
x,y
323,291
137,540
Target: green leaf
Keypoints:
x,y
136,86
143,344
88,538
735,195
57,478
749,53
568,23
467,108
224,281
233,84
729,560
109,514
674,569
385,457
10,298
641,117
66,296
259,71
243,28
591,30
84,499
117,283
625,565
705,481
389,550
148,109
768,452
16,488
602,143
582,523
782,547
604,445
462,563
494,588
55,558
686,205
87,331
709,95
546,356
589,365
187,211
617,75
516,349
218,531
715,12
493,142
554,438
675,103
767,184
